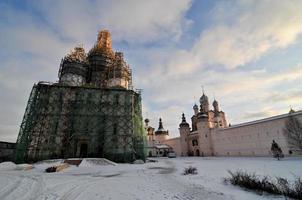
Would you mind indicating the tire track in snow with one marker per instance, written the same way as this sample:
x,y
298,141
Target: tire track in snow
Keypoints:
x,y
182,191
26,187
10,188
74,192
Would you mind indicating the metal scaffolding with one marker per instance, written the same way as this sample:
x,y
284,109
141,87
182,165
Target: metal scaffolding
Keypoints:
x,y
70,121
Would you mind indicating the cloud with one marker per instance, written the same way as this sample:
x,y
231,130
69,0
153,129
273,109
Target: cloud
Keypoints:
x,y
292,96
241,32
132,21
259,114
256,29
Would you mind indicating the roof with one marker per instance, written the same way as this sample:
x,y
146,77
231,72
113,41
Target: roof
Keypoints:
x,y
264,120
162,146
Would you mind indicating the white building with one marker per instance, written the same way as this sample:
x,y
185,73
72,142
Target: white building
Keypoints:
x,y
156,140
210,135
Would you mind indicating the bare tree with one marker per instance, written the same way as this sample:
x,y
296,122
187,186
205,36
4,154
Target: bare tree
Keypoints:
x,y
276,150
293,133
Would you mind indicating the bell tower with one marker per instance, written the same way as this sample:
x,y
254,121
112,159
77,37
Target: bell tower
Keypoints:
x,y
184,130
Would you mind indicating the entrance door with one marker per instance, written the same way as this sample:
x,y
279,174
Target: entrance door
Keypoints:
x,y
83,150
197,152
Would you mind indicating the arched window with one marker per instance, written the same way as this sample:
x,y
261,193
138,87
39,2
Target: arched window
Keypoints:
x,y
194,142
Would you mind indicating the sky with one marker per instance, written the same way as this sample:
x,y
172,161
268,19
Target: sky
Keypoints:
x,y
245,53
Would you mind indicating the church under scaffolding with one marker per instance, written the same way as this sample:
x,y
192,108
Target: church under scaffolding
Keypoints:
x,y
92,111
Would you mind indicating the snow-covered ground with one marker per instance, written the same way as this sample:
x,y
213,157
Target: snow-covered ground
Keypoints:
x,y
160,180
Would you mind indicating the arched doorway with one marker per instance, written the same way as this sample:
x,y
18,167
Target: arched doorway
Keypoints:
x,y
83,150
197,152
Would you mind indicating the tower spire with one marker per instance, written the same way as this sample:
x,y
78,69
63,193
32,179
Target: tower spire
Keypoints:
x,y
160,126
183,121
183,118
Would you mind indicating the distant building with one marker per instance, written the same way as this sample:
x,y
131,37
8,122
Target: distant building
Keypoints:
x,y
7,150
92,111
155,140
210,135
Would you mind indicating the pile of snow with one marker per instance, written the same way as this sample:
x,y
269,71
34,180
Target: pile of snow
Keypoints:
x,y
8,166
24,167
138,162
92,162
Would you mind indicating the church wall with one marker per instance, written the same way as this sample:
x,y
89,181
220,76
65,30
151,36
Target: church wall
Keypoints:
x,y
175,144
251,139
161,138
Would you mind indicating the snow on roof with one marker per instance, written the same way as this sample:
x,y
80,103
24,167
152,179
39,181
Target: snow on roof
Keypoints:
x,y
162,146
264,120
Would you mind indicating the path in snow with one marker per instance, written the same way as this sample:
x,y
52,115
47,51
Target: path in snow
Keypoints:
x,y
167,180
148,181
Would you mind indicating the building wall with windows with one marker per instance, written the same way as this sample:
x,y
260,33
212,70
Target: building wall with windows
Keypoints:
x,y
210,134
252,138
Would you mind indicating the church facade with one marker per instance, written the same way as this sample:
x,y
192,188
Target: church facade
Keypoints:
x,y
92,111
210,135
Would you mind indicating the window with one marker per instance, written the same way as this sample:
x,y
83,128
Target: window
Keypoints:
x,y
194,142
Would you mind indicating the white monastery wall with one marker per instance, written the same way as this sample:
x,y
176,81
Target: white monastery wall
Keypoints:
x,y
252,138
175,144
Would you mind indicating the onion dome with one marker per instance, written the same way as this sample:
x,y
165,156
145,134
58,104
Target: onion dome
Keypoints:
x,y
161,129
215,105
183,121
101,58
103,44
76,55
195,106
119,74
204,104
147,122
203,99
73,68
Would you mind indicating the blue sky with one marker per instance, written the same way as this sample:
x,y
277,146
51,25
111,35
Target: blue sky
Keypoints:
x,y
246,53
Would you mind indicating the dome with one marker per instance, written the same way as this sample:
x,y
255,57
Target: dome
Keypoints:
x,y
183,121
103,45
161,130
147,120
73,68
203,99
76,55
195,106
215,103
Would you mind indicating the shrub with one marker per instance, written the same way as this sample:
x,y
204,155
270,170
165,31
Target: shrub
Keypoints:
x,y
190,170
279,186
50,169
